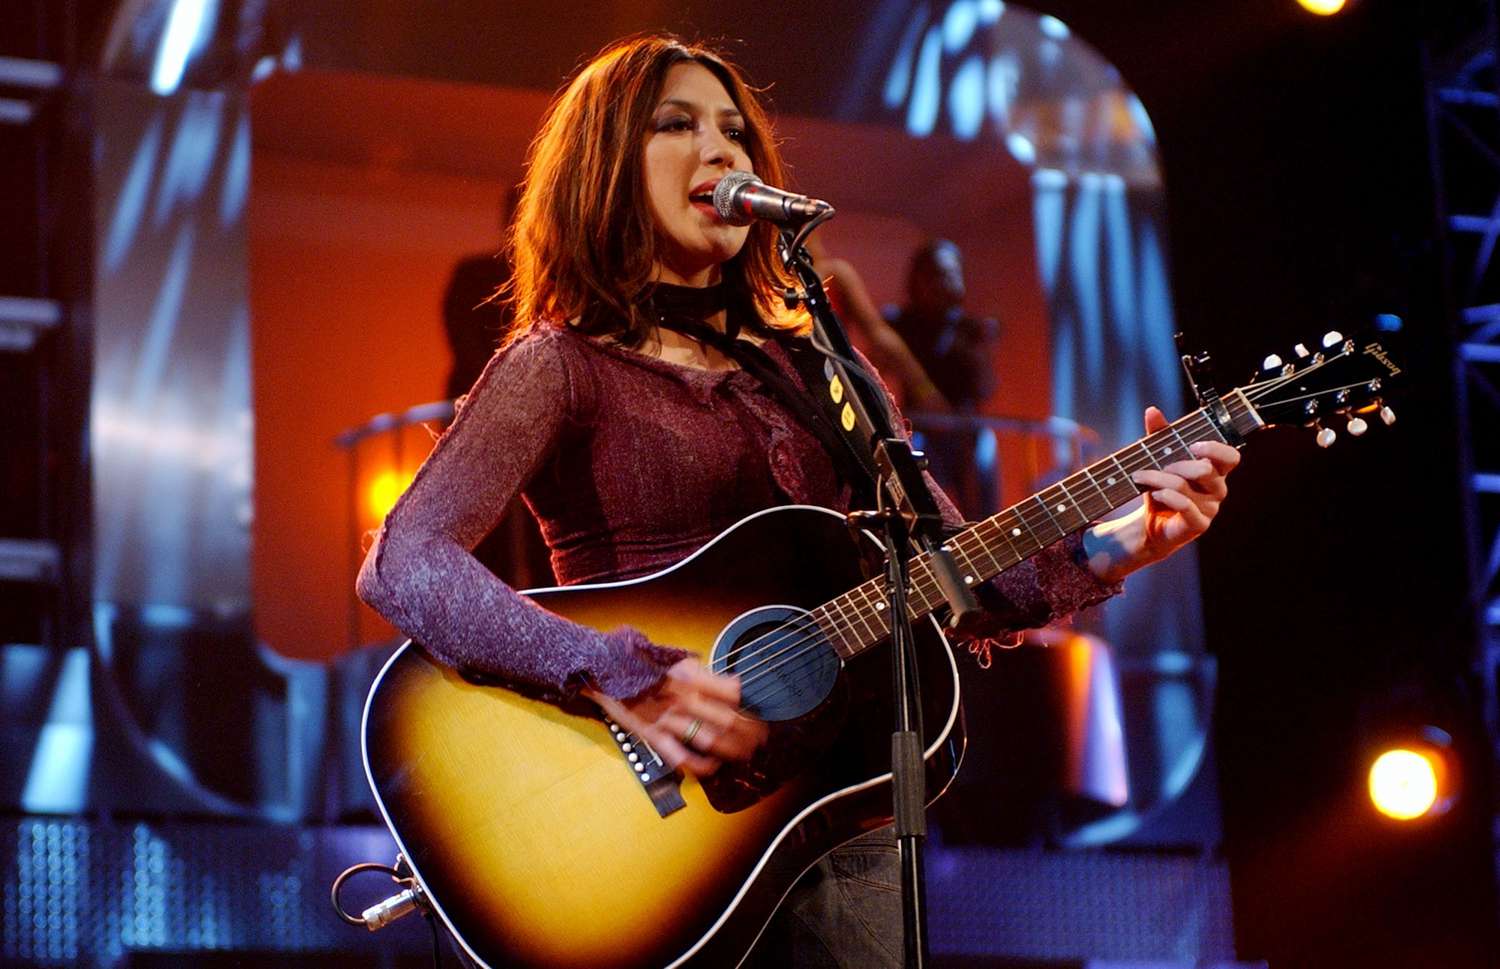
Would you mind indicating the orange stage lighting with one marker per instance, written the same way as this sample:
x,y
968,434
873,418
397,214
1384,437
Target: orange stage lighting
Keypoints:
x,y
384,488
1414,779
1323,8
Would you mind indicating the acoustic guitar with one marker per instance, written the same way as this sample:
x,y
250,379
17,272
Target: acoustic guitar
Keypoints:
x,y
544,839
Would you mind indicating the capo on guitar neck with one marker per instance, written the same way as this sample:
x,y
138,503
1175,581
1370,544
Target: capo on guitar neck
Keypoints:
x,y
1200,377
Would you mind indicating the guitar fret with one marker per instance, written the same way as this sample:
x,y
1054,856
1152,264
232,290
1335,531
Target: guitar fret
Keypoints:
x,y
924,592
866,590
1248,419
1146,451
994,567
862,611
1005,535
875,609
1062,506
1106,506
967,569
836,631
875,595
1125,479
1048,512
851,630
1185,450
1210,429
1023,527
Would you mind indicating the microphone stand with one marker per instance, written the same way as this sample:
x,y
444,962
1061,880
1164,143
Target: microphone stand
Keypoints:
x,y
910,515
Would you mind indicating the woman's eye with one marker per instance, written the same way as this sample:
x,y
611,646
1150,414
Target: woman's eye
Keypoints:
x,y
676,124
736,134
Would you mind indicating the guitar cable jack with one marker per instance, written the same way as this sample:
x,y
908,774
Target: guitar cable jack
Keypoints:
x,y
382,913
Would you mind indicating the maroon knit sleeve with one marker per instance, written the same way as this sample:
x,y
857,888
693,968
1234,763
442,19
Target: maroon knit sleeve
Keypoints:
x,y
420,575
1054,583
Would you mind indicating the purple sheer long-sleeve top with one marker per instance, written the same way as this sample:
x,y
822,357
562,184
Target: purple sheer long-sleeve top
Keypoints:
x,y
629,463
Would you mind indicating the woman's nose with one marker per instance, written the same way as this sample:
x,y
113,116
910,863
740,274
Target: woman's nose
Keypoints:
x,y
718,150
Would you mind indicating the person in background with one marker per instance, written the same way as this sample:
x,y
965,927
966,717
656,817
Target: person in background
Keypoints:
x,y
870,331
475,321
957,351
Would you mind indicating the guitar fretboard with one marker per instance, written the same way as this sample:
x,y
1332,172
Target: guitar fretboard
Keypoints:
x,y
856,620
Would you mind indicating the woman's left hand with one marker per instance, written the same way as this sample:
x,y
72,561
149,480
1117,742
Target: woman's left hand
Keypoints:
x,y
1181,503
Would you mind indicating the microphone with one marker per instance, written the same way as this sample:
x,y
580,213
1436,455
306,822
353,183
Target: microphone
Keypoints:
x,y
740,198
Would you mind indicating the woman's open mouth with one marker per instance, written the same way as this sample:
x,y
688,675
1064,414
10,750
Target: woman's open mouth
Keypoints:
x,y
702,198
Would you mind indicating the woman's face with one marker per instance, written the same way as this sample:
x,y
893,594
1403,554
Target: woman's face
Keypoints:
x,y
697,136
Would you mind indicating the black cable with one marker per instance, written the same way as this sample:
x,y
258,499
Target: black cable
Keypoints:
x,y
437,955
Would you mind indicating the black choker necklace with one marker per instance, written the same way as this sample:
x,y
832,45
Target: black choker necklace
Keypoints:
x,y
693,302
675,304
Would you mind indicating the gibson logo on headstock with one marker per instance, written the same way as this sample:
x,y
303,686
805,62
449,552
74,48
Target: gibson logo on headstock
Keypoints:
x,y
1375,350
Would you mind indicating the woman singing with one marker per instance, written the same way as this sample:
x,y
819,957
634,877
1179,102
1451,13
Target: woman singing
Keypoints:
x,y
635,436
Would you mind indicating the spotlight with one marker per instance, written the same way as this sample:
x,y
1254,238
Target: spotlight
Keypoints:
x,y
1323,8
188,25
383,491
1415,778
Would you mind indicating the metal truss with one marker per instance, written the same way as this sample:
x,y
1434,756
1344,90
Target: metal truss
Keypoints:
x,y
44,273
1463,91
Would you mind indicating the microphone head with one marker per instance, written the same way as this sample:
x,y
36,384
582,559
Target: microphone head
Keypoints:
x,y
726,197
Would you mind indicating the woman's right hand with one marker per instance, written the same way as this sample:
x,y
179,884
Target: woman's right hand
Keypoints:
x,y
692,719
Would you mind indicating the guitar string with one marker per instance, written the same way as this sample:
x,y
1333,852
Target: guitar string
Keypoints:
x,y
1028,517
807,648
642,748
801,644
761,652
865,615
1320,393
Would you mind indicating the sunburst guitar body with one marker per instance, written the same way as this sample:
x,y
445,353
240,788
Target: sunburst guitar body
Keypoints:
x,y
541,844
545,839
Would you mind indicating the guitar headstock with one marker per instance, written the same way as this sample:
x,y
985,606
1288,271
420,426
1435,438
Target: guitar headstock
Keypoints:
x,y
1344,378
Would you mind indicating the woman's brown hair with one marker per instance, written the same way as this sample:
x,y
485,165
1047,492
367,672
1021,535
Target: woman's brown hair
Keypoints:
x,y
583,245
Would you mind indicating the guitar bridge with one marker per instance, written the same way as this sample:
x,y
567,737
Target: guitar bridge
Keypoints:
x,y
662,785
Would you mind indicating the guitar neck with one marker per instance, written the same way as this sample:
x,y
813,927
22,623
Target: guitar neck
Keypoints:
x,y
857,620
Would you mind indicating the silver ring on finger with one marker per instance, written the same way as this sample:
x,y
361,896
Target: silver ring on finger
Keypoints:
x,y
692,730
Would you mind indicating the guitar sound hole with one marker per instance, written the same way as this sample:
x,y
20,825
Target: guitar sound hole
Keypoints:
x,y
785,664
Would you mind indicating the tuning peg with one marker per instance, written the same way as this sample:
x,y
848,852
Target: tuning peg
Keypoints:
x,y
1332,338
1271,363
1387,415
1301,351
1357,426
1326,437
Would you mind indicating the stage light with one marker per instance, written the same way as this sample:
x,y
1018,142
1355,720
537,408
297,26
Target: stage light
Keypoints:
x,y
1413,780
1021,148
1323,8
188,24
383,491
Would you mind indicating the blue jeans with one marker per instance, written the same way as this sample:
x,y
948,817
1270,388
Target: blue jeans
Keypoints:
x,y
843,914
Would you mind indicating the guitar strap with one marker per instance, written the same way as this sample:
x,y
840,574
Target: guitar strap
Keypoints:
x,y
796,395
